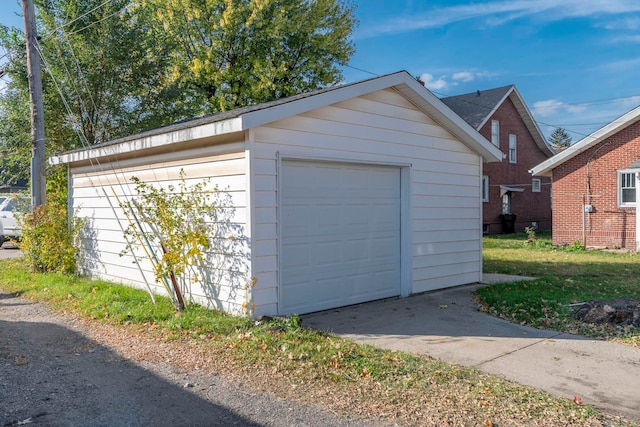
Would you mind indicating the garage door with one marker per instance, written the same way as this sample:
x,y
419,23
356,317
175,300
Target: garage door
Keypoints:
x,y
340,235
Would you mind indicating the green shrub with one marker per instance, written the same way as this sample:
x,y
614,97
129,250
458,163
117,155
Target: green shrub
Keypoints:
x,y
49,234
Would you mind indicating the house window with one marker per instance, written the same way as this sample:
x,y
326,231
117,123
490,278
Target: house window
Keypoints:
x,y
485,188
495,133
513,149
535,185
626,188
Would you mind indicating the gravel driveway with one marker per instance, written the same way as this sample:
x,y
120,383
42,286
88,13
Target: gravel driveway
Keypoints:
x,y
55,371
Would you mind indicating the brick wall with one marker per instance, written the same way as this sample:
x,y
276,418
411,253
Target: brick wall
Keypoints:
x,y
528,206
591,178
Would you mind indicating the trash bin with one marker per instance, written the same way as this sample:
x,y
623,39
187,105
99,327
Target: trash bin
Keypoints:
x,y
508,223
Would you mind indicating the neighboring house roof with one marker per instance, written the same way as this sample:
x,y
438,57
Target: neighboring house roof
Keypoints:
x,y
476,108
242,119
545,168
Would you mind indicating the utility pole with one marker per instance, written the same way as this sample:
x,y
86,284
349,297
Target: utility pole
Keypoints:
x,y
38,183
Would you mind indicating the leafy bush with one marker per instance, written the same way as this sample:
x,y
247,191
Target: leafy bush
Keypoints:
x,y
49,234
178,228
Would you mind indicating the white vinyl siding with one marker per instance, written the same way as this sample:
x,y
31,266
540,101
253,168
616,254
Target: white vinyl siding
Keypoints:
x,y
386,129
513,149
495,133
626,189
440,201
96,196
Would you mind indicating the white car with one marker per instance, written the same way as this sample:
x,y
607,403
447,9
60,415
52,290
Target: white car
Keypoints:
x,y
9,226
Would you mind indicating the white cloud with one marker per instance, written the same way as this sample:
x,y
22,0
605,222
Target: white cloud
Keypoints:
x,y
630,101
433,83
495,13
551,107
447,80
626,23
464,76
582,119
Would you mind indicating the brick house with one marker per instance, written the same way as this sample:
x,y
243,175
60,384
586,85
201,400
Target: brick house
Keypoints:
x,y
512,199
594,186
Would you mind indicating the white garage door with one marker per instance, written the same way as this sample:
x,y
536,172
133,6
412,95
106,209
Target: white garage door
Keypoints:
x,y
340,231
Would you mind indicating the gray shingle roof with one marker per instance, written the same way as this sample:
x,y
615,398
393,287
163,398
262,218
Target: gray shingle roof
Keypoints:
x,y
475,107
242,119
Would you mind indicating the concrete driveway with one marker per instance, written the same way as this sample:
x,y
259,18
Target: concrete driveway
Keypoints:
x,y
446,325
9,250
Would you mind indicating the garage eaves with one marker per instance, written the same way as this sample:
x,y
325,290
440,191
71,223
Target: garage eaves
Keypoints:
x,y
246,118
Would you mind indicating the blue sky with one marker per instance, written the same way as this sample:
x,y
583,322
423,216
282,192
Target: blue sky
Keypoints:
x,y
574,62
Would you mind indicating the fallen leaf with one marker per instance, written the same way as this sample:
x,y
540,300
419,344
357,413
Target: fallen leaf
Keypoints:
x,y
577,400
443,306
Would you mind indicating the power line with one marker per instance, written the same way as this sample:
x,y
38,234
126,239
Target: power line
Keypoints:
x,y
78,18
359,69
94,22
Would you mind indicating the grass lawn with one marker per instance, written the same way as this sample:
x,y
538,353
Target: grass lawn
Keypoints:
x,y
297,363
564,276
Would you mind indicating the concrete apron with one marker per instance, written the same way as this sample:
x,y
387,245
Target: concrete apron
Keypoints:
x,y
446,325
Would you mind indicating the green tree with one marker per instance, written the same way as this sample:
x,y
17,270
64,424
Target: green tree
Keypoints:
x,y
243,52
560,139
104,69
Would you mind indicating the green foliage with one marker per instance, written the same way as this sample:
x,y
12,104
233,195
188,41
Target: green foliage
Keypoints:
x,y
243,52
103,77
49,234
560,139
575,246
176,226
531,234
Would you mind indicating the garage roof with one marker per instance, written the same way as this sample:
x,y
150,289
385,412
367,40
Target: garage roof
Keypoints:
x,y
242,119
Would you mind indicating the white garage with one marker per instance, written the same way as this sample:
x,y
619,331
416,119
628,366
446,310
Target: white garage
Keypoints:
x,y
349,194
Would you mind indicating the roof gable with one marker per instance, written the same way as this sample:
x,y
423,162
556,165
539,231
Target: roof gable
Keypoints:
x,y
476,108
243,119
545,168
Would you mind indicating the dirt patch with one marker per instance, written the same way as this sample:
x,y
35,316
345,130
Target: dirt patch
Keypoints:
x,y
63,371
617,312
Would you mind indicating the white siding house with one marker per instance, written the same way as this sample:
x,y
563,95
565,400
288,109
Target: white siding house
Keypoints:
x,y
340,196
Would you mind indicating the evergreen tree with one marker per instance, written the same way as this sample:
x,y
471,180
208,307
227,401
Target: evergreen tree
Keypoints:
x,y
560,139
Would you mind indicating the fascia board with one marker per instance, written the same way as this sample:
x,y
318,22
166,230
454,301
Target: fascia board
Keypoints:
x,y
495,108
269,115
530,122
451,121
151,141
